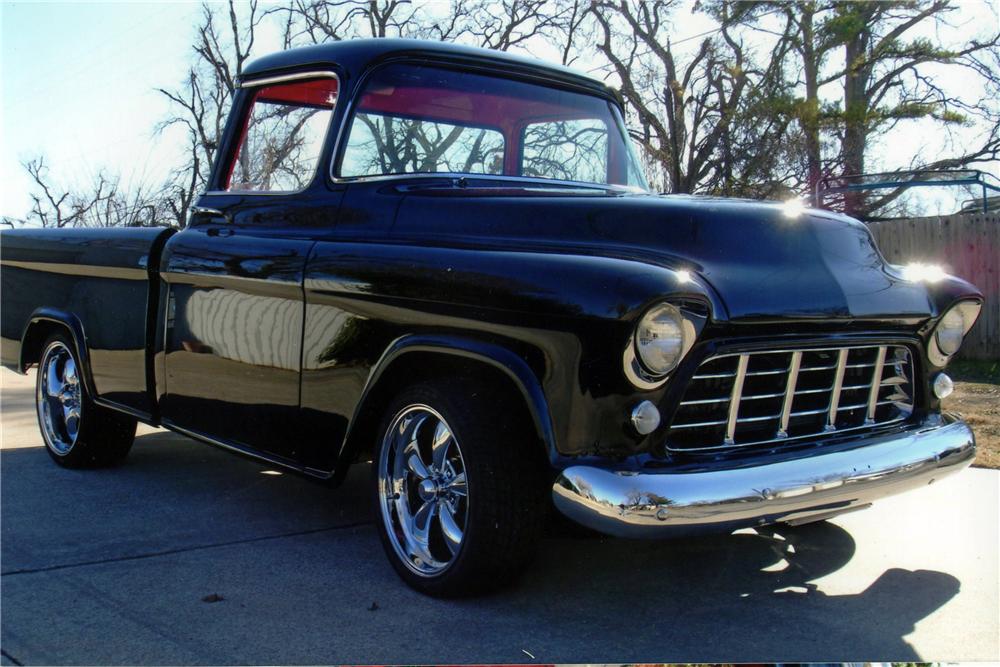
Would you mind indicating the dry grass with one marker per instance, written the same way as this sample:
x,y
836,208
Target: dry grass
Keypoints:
x,y
977,398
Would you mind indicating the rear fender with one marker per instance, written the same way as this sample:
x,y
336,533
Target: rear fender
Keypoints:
x,y
45,317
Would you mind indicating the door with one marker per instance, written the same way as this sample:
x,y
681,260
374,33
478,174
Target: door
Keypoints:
x,y
234,334
234,276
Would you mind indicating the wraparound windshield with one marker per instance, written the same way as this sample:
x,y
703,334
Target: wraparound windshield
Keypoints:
x,y
412,119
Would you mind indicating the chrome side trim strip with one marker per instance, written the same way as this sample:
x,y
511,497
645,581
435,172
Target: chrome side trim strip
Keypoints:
x,y
876,385
285,78
141,415
838,382
82,270
786,406
557,185
247,451
734,399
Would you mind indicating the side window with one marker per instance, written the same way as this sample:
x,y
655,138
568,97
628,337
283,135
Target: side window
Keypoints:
x,y
283,137
568,150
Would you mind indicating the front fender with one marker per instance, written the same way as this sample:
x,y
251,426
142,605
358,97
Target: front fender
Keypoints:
x,y
491,354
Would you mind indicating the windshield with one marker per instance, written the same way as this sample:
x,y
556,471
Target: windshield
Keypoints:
x,y
412,119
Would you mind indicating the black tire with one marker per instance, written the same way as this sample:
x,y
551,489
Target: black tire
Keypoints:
x,y
92,435
505,506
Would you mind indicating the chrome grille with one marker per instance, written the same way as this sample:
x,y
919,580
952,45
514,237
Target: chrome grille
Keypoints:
x,y
751,398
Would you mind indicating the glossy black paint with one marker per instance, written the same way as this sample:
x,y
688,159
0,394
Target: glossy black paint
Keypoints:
x,y
96,283
233,334
280,320
352,58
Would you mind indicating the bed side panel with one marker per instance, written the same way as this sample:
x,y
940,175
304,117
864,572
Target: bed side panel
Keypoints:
x,y
100,277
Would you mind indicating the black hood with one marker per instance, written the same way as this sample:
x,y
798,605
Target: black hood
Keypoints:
x,y
762,262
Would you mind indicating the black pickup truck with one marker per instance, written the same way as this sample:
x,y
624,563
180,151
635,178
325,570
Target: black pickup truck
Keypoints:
x,y
446,261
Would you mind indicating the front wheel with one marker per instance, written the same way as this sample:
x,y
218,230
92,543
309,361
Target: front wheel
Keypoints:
x,y
77,432
459,489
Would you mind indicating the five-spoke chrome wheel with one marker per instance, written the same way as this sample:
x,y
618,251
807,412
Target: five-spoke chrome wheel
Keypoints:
x,y
59,399
422,490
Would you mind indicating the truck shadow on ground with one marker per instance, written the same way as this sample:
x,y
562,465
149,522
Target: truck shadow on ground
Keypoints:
x,y
753,594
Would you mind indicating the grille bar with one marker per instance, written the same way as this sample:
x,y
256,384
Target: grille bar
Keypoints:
x,y
838,385
749,398
734,400
789,398
875,384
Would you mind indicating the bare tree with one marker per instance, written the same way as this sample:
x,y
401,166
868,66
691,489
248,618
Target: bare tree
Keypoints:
x,y
775,97
53,206
101,204
504,25
691,108
221,49
318,21
496,24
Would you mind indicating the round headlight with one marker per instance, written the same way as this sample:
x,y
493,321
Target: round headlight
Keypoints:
x,y
659,338
950,331
954,325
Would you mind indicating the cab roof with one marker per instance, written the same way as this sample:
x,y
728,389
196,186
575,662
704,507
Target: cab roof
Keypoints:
x,y
352,57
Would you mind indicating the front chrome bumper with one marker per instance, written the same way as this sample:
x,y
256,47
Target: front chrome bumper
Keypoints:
x,y
811,488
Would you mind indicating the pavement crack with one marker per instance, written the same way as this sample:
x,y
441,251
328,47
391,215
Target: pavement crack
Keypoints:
x,y
170,552
4,653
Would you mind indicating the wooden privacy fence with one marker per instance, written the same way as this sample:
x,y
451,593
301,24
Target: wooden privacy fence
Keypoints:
x,y
966,245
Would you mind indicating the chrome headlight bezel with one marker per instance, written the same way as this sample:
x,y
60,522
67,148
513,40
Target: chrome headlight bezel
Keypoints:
x,y
640,362
949,333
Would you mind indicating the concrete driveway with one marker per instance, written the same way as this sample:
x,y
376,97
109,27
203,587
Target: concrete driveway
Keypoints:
x,y
123,565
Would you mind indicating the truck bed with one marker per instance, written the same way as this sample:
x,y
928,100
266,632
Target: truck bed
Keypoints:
x,y
101,285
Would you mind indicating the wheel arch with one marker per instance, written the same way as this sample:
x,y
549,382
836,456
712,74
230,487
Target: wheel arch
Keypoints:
x,y
408,357
42,324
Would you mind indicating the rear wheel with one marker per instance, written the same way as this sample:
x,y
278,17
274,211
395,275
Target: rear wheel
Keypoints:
x,y
76,431
459,489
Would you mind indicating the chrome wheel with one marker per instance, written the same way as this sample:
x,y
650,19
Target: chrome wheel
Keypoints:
x,y
422,490
59,398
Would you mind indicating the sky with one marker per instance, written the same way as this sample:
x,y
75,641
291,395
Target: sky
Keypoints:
x,y
78,83
78,87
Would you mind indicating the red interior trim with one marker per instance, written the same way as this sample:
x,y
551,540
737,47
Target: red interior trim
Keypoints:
x,y
478,109
315,93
